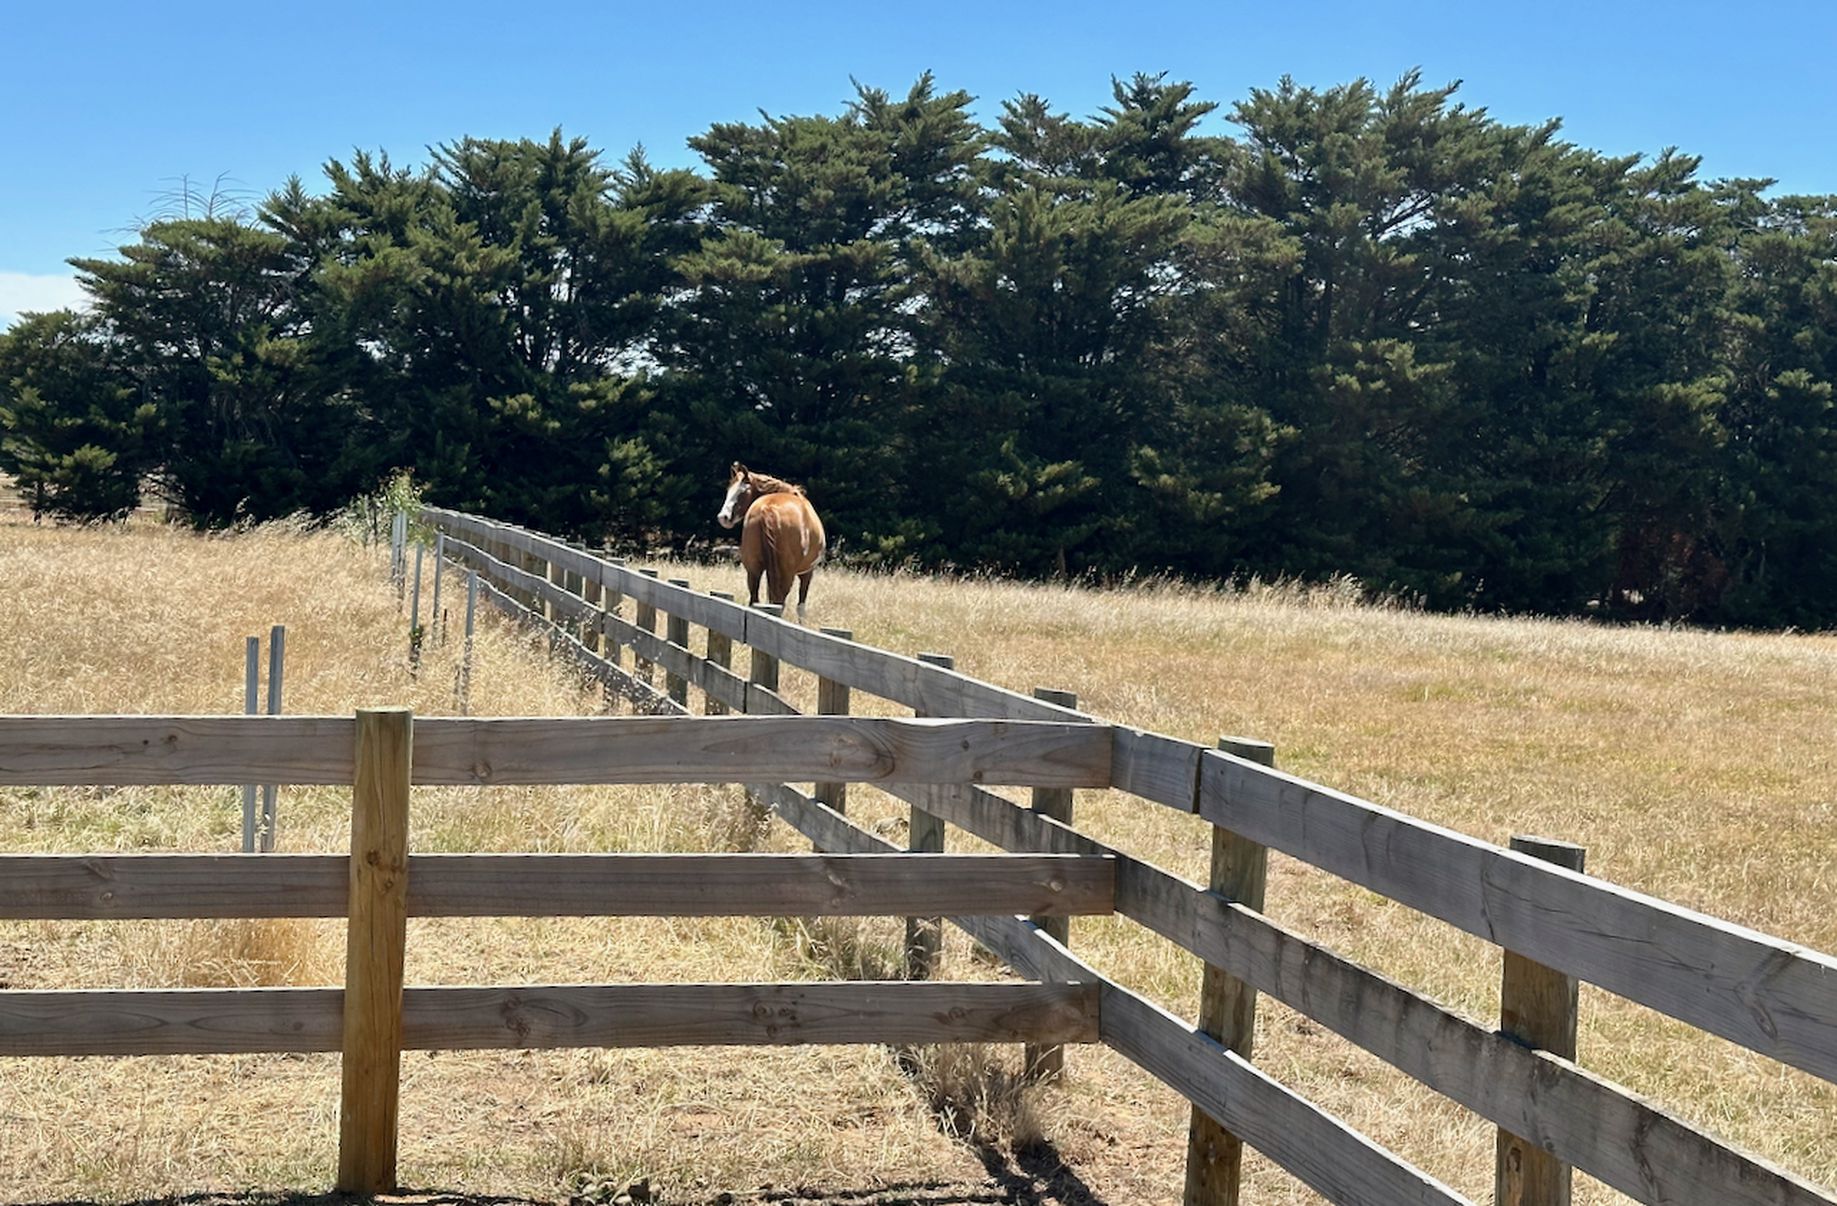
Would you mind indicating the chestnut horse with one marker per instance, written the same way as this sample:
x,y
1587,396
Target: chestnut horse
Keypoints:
x,y
782,539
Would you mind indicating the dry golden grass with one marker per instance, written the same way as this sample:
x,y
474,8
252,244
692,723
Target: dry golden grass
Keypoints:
x,y
1694,766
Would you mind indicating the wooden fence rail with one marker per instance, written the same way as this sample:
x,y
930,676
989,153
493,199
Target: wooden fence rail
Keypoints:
x,y
378,886
1773,996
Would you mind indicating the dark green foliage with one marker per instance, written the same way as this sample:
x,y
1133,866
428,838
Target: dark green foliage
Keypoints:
x,y
74,433
1373,332
204,315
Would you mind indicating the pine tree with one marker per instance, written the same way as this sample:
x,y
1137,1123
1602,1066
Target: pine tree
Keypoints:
x,y
74,433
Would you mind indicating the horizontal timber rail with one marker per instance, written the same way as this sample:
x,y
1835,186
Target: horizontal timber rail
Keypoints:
x,y
468,751
222,1021
1775,997
119,886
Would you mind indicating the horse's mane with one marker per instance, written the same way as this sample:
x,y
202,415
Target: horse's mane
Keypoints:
x,y
767,484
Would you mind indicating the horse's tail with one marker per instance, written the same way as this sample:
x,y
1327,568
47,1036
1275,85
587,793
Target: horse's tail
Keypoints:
x,y
778,576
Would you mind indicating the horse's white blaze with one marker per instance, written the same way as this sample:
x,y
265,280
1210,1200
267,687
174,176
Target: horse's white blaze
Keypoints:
x,y
727,518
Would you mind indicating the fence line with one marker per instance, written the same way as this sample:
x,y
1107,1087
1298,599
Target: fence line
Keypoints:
x,y
374,1018
1772,996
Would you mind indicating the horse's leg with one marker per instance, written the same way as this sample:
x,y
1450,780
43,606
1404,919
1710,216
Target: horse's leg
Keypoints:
x,y
752,584
803,592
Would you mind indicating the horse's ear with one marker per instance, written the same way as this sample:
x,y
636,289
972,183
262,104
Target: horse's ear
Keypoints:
x,y
739,470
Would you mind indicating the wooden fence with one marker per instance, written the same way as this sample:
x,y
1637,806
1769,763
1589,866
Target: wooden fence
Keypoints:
x,y
1557,924
383,753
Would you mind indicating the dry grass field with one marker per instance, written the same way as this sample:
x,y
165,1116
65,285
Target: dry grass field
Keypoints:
x,y
1694,766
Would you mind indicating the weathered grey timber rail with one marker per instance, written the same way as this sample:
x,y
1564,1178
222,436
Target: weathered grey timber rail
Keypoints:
x,y
1772,996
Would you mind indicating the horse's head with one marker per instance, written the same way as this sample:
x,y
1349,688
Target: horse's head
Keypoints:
x,y
740,494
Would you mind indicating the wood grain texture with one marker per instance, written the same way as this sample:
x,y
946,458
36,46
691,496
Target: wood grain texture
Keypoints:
x,y
1161,1043
753,885
1048,1063
232,1021
832,699
1593,1124
198,1021
651,648
1332,1158
1538,1006
1227,1005
376,938
98,887
924,943
1014,939
1769,995
1162,769
733,749
115,887
676,630
50,751
646,620
675,1015
718,664
1297,1136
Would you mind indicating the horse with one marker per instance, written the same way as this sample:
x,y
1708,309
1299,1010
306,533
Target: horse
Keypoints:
x,y
782,538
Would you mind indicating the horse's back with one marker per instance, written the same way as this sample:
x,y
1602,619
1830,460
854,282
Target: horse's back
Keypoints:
x,y
787,525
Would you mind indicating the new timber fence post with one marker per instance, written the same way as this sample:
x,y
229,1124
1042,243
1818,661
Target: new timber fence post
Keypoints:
x,y
677,633
1537,1007
1227,1005
925,835
1047,1063
374,944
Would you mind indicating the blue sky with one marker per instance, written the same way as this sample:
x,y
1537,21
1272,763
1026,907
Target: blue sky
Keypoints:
x,y
104,106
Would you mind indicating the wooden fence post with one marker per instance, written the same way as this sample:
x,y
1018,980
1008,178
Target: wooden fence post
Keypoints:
x,y
612,599
576,587
832,700
647,620
592,630
1227,1005
535,600
1537,1007
677,633
557,577
764,669
720,653
762,673
1048,1062
925,835
374,944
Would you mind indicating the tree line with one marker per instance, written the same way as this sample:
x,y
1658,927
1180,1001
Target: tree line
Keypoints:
x,y
1375,332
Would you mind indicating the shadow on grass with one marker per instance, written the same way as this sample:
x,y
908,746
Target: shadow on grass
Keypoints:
x,y
407,1197
1037,1177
